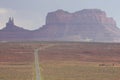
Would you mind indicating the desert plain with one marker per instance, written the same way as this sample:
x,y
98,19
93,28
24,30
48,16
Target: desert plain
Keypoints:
x,y
60,60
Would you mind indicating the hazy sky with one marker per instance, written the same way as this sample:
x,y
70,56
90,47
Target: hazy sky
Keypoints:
x,y
31,14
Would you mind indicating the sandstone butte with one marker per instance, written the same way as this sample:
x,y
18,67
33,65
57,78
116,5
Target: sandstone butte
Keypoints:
x,y
85,25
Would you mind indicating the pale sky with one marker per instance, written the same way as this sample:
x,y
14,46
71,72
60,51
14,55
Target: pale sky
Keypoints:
x,y
31,14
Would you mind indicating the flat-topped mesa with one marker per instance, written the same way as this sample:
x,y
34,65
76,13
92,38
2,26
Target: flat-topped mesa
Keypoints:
x,y
58,17
91,11
87,24
93,16
85,16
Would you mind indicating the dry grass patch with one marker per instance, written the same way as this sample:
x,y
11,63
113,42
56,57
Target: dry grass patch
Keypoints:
x,y
16,72
78,71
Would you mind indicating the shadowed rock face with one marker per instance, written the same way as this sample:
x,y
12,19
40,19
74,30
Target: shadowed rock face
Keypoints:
x,y
14,33
84,25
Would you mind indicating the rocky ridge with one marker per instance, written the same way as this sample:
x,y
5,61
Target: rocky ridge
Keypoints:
x,y
85,25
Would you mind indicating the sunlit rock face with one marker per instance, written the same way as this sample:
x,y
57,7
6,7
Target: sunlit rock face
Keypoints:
x,y
87,24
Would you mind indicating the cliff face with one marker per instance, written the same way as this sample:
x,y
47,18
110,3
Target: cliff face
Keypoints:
x,y
86,16
85,25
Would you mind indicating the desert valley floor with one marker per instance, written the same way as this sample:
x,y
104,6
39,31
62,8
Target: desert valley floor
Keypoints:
x,y
60,60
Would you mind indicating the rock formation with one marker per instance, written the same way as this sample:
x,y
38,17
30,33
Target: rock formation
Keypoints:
x,y
85,25
14,33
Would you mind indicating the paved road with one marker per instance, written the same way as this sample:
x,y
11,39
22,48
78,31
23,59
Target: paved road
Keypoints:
x,y
37,67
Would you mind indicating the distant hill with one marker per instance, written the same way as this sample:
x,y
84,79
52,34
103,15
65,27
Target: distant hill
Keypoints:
x,y
85,25
14,33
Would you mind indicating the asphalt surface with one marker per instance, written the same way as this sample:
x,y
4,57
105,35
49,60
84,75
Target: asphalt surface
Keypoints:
x,y
37,66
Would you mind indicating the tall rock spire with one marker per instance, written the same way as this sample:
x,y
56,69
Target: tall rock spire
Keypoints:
x,y
10,21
